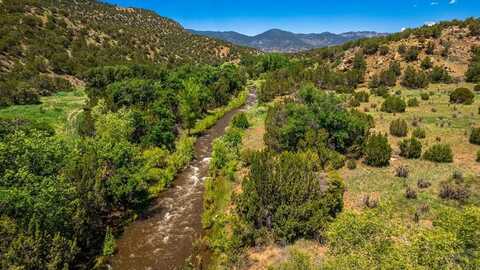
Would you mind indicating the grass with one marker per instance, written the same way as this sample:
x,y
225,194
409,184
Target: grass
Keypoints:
x,y
436,116
442,121
58,110
253,138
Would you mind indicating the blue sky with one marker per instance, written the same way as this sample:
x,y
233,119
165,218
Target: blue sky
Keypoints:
x,y
307,16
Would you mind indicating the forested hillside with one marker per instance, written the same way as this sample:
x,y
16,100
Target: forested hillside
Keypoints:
x,y
62,199
46,46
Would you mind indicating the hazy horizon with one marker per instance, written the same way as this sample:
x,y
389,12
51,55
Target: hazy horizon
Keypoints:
x,y
254,17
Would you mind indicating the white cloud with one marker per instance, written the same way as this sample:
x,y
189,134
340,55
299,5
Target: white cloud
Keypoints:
x,y
433,3
452,2
403,29
430,23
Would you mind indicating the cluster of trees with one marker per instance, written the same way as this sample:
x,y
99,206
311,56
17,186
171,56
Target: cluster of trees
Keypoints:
x,y
161,99
59,197
315,119
288,195
26,86
63,199
386,78
285,76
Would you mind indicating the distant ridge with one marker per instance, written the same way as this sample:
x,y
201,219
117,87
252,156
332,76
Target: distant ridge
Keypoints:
x,y
277,40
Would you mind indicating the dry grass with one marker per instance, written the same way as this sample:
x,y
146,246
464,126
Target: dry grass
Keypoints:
x,y
253,138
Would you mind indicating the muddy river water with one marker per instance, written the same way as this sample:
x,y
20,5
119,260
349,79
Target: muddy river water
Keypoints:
x,y
164,237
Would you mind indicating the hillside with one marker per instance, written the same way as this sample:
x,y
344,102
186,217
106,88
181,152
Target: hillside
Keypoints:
x,y
447,45
370,157
276,40
53,40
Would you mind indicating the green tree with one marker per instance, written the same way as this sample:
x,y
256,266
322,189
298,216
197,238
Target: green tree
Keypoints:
x,y
189,105
285,195
377,151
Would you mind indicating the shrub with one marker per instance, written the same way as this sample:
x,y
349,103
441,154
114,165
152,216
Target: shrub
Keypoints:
x,y
377,151
441,153
422,184
290,125
457,175
410,193
362,96
411,54
478,156
475,136
419,133
430,48
473,72
402,172
393,104
330,159
440,75
351,164
370,201
285,194
450,190
413,102
383,50
399,128
426,63
414,79
462,96
476,88
425,96
353,102
381,91
240,121
411,148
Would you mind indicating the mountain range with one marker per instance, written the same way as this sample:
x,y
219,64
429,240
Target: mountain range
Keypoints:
x,y
276,40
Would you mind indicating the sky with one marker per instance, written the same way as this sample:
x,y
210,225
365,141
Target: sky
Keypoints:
x,y
307,16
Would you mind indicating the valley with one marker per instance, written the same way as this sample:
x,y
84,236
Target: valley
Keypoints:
x,y
127,142
276,40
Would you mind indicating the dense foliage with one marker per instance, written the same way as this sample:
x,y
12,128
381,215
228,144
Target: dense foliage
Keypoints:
x,y
462,96
475,136
377,151
319,120
63,200
411,148
288,195
57,197
394,104
441,153
399,128
473,72
414,78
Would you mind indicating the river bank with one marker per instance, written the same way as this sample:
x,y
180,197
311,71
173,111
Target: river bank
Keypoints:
x,y
163,238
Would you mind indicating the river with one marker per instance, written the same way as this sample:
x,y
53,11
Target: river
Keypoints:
x,y
164,237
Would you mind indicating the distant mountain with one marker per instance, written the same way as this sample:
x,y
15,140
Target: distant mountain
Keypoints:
x,y
284,41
